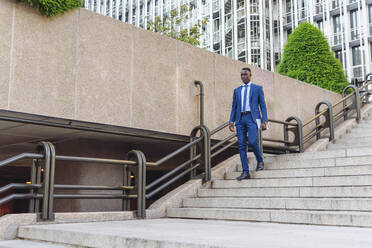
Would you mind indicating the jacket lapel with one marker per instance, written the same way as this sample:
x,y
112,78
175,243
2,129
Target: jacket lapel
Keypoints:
x,y
239,97
250,94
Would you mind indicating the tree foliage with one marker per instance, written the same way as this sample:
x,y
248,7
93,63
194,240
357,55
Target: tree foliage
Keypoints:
x,y
172,26
53,7
307,57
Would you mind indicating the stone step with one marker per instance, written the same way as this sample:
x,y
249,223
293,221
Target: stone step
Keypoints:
x,y
347,145
329,204
355,135
188,233
350,152
340,218
31,244
311,163
362,130
297,192
324,181
309,172
352,141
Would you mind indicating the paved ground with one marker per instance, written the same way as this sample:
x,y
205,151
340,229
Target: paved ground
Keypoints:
x,y
213,233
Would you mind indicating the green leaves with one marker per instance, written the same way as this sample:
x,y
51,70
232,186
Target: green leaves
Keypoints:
x,y
307,57
171,26
53,7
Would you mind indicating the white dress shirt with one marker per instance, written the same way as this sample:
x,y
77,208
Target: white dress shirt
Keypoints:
x,y
247,106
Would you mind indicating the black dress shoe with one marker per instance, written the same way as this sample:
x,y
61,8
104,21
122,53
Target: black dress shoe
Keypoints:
x,y
260,166
244,175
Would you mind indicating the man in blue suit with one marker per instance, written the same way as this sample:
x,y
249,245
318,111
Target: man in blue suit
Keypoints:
x,y
246,115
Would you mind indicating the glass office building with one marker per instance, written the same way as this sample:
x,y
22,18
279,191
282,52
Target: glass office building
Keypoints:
x,y
255,31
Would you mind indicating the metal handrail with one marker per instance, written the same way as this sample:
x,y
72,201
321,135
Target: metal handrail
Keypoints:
x,y
19,157
313,118
355,104
136,162
95,160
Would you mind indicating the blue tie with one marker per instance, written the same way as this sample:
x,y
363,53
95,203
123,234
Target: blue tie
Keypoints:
x,y
245,97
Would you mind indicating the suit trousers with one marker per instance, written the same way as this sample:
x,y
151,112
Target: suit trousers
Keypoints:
x,y
246,125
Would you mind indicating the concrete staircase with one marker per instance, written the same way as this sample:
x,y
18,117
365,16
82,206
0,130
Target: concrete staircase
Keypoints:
x,y
332,187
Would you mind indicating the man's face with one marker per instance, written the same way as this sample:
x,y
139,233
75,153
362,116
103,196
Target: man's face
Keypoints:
x,y
245,76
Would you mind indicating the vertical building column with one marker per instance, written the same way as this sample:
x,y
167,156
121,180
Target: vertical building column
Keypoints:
x,y
130,16
189,14
248,32
117,9
295,13
292,14
138,15
367,47
327,22
281,29
262,34
343,37
222,34
235,29
98,9
271,21
145,16
110,8
104,7
348,58
161,7
124,9
210,26
311,12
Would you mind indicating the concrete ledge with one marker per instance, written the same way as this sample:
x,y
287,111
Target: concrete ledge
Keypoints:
x,y
10,223
190,189
340,131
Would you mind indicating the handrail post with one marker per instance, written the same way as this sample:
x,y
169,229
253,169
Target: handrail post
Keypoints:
x,y
205,151
297,131
35,179
207,154
44,148
329,119
51,180
139,172
366,77
355,102
201,97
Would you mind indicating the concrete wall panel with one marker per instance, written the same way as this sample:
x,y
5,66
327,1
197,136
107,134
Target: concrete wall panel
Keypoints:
x,y
6,16
43,59
154,82
104,70
195,64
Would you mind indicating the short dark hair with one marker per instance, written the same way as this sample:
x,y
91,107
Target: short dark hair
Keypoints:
x,y
246,69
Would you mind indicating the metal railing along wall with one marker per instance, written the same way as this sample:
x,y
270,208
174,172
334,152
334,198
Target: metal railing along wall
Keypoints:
x,y
42,184
202,151
350,102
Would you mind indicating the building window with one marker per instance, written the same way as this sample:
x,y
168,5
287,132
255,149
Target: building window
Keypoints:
x,y
319,24
318,7
357,62
370,19
335,4
338,55
354,25
336,30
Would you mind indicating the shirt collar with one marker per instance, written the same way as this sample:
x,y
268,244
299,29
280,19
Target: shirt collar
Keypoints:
x,y
249,84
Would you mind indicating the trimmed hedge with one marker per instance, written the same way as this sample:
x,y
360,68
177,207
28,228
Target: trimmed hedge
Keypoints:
x,y
307,57
54,7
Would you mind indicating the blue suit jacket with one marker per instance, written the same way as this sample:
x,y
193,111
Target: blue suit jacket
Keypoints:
x,y
256,98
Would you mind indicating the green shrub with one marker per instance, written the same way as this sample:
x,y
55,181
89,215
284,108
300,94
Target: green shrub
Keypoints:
x,y
307,57
54,7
